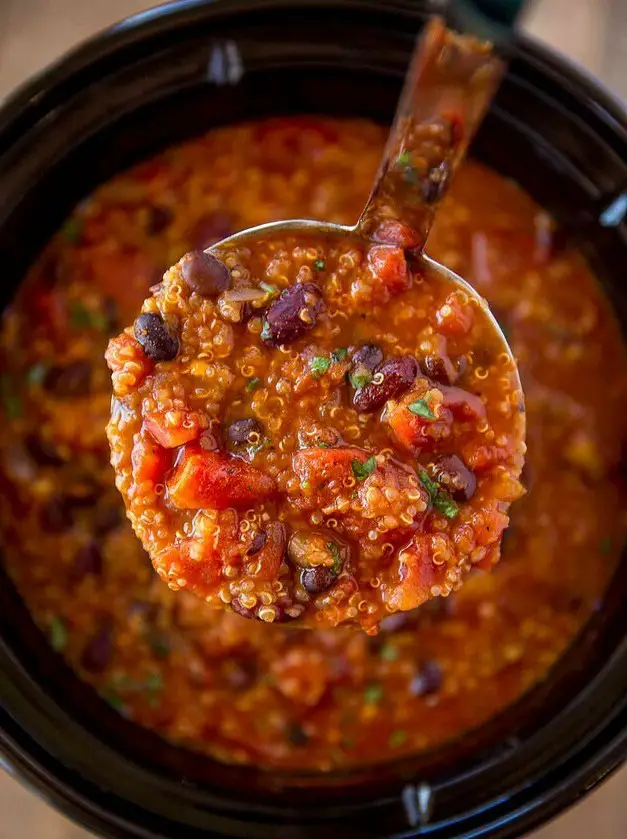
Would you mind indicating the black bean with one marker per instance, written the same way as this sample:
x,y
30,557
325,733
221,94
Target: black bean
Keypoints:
x,y
317,579
209,440
209,229
441,369
296,734
157,341
98,651
369,357
397,375
56,515
453,475
428,680
73,380
292,314
239,673
88,560
159,219
43,452
107,517
435,183
239,431
205,274
259,540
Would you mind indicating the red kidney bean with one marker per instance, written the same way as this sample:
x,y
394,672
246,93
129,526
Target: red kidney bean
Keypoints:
x,y
205,274
462,404
428,680
239,431
397,374
98,651
441,369
155,338
73,380
453,475
369,357
292,314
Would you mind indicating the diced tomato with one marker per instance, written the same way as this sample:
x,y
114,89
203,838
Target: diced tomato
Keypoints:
x,y
214,480
124,275
484,457
392,232
488,526
417,575
320,466
128,363
453,318
462,404
389,265
267,561
149,460
416,433
174,428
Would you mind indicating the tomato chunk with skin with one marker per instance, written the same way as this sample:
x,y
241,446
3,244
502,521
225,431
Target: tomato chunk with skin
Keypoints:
x,y
462,404
214,480
149,460
174,428
319,467
417,576
455,318
389,265
417,433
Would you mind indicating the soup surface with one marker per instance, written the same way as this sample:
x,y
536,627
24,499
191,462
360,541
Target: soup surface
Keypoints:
x,y
269,695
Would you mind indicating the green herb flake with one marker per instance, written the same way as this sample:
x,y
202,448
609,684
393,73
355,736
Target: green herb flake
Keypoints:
x,y
306,485
337,557
373,693
397,738
269,289
154,682
348,742
605,545
254,384
404,158
82,318
362,470
359,378
445,504
115,701
339,354
408,170
421,409
389,652
322,445
11,401
72,229
438,497
319,264
58,634
264,444
319,365
36,374
266,331
160,644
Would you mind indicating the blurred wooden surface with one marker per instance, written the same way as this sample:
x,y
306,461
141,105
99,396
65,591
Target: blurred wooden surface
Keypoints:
x,y
34,32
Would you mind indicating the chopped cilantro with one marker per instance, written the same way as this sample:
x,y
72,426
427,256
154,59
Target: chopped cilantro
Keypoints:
x,y
339,354
404,158
263,444
359,378
319,264
421,409
82,318
159,644
154,682
266,331
306,485
388,652
440,499
114,700
445,504
72,229
408,170
254,383
337,557
36,374
269,289
397,738
362,470
319,365
322,445
58,634
605,545
373,693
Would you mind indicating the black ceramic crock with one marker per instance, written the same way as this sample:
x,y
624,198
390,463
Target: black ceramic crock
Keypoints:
x,y
164,76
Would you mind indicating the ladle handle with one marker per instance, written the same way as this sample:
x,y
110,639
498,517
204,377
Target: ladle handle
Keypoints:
x,y
448,88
